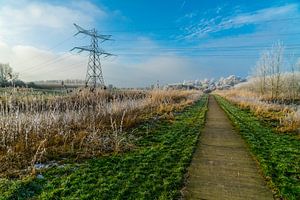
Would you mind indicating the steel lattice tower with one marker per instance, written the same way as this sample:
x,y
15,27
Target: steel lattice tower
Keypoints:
x,y
94,76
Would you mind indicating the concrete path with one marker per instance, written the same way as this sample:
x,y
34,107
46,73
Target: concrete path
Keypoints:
x,y
222,168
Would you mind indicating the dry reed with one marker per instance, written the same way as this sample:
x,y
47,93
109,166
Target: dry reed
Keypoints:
x,y
39,128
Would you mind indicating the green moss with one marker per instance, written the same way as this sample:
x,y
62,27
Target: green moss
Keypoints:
x,y
154,170
278,154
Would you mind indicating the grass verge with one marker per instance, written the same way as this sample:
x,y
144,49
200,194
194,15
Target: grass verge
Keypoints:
x,y
154,170
278,154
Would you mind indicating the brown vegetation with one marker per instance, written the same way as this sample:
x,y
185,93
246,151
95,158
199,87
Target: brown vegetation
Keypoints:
x,y
34,129
284,118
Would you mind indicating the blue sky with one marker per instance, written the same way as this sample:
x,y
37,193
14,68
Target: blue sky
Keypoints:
x,y
170,41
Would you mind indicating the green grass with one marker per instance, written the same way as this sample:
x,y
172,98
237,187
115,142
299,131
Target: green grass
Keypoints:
x,y
154,170
278,154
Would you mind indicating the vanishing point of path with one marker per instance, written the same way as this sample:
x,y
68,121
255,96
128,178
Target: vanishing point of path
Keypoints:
x,y
222,167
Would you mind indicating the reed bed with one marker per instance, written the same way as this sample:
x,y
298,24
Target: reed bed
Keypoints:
x,y
39,128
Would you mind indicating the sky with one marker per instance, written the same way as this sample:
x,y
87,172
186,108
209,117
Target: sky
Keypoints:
x,y
168,41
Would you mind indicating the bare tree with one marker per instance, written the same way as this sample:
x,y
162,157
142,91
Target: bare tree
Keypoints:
x,y
274,67
5,72
7,76
297,80
268,70
291,82
261,72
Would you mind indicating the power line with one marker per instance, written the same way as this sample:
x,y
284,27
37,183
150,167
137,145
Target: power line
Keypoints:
x,y
178,28
196,54
48,62
216,48
248,35
63,41
180,51
94,76
66,68
49,49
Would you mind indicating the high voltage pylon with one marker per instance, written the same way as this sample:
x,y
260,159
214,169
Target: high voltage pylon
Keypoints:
x,y
94,76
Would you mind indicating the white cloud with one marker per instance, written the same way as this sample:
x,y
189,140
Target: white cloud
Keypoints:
x,y
35,64
261,15
218,23
30,18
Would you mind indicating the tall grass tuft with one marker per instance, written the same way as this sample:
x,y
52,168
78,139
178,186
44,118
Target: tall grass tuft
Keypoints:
x,y
38,128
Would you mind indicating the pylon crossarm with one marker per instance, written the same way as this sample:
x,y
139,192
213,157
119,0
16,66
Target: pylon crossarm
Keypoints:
x,y
94,76
81,49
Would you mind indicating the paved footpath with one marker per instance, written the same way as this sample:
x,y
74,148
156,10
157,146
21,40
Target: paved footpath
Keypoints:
x,y
222,167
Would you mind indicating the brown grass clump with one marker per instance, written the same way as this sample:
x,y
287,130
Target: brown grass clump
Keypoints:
x,y
284,118
38,128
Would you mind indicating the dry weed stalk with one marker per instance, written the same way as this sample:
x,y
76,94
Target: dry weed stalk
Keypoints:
x,y
287,115
80,124
41,150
